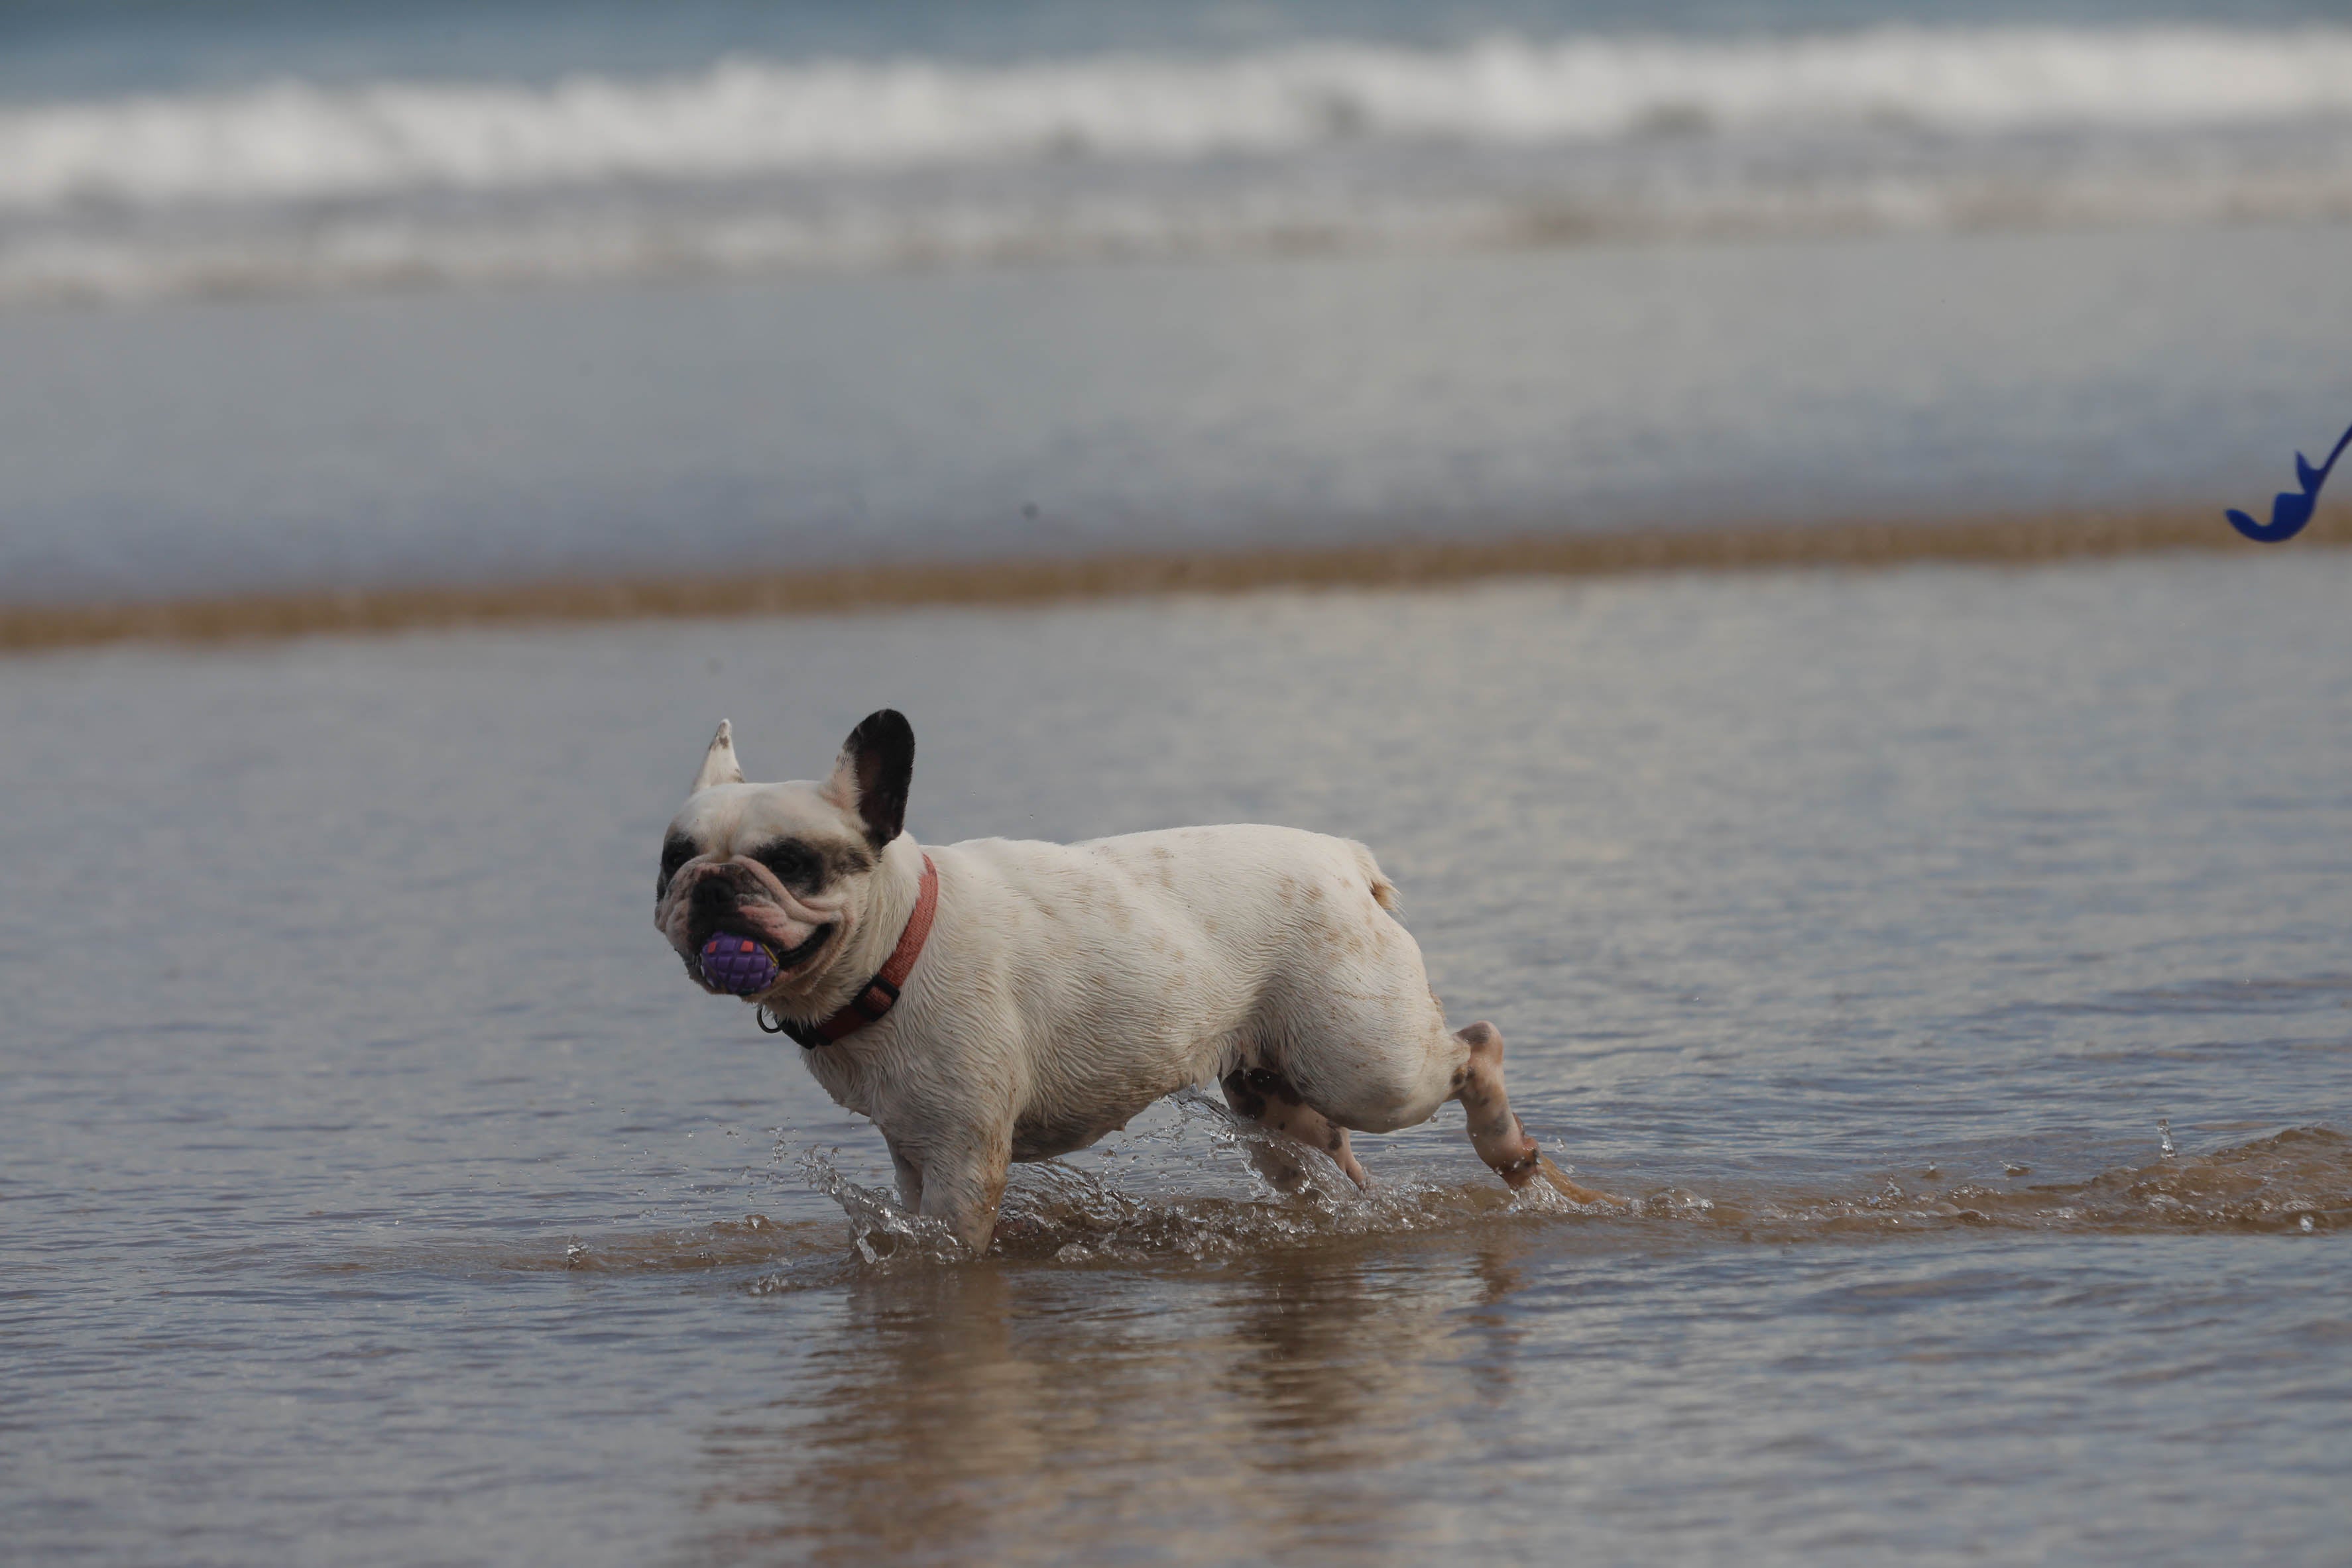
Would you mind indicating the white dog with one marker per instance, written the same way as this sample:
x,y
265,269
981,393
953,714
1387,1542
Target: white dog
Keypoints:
x,y
999,1000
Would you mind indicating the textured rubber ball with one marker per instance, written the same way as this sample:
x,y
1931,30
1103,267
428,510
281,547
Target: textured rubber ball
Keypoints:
x,y
738,965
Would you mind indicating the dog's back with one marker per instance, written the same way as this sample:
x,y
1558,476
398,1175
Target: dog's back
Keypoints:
x,y
1131,967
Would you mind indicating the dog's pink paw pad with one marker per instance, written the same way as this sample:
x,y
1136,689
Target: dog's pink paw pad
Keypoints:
x,y
737,964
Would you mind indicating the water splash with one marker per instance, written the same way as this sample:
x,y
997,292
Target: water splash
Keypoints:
x,y
2299,1180
878,1227
1055,1211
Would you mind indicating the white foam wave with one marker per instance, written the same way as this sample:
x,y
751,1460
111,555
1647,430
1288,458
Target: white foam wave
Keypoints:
x,y
399,248
763,167
746,119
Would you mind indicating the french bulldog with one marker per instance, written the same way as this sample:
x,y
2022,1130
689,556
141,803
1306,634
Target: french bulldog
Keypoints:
x,y
1001,999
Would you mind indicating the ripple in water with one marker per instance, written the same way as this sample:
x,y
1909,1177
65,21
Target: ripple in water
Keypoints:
x,y
2298,1180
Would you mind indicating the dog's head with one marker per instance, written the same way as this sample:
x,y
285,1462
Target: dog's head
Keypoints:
x,y
792,866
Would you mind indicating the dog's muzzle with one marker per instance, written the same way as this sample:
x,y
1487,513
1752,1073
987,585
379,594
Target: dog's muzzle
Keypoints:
x,y
736,937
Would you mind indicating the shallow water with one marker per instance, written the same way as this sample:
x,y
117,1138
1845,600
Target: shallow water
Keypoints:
x,y
376,1189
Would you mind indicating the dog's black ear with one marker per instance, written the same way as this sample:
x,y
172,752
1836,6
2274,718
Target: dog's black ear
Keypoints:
x,y
877,763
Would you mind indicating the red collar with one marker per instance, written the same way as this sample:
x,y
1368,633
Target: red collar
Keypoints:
x,y
880,993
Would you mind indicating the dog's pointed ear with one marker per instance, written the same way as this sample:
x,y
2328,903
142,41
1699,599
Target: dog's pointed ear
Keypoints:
x,y
877,762
719,764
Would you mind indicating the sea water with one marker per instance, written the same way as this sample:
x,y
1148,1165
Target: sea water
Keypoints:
x,y
337,296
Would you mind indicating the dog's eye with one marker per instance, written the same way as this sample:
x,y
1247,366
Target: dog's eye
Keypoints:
x,y
676,852
796,865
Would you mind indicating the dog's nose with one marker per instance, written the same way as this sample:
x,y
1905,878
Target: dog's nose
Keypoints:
x,y
716,893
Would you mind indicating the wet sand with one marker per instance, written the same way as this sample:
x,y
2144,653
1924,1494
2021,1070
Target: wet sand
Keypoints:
x,y
2002,540
1949,959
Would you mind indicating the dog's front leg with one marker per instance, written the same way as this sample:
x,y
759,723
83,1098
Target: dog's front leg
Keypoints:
x,y
962,1181
910,1179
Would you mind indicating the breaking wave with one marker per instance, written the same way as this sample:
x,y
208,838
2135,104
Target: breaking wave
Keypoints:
x,y
291,142
756,165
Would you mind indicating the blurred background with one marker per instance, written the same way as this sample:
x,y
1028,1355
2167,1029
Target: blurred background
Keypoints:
x,y
319,294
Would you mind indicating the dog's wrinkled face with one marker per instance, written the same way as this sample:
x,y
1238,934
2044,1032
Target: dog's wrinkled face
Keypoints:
x,y
790,865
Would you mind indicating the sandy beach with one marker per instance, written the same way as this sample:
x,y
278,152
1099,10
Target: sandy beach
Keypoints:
x,y
2013,542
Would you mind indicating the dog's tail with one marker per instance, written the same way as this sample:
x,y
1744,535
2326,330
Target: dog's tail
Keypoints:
x,y
1384,892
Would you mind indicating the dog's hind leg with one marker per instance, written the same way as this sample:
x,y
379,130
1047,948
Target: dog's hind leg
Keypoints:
x,y
1268,1099
1495,1130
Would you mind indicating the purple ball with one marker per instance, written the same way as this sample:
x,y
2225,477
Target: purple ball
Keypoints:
x,y
737,964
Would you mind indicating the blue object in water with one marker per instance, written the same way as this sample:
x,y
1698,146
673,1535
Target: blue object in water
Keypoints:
x,y
2289,510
